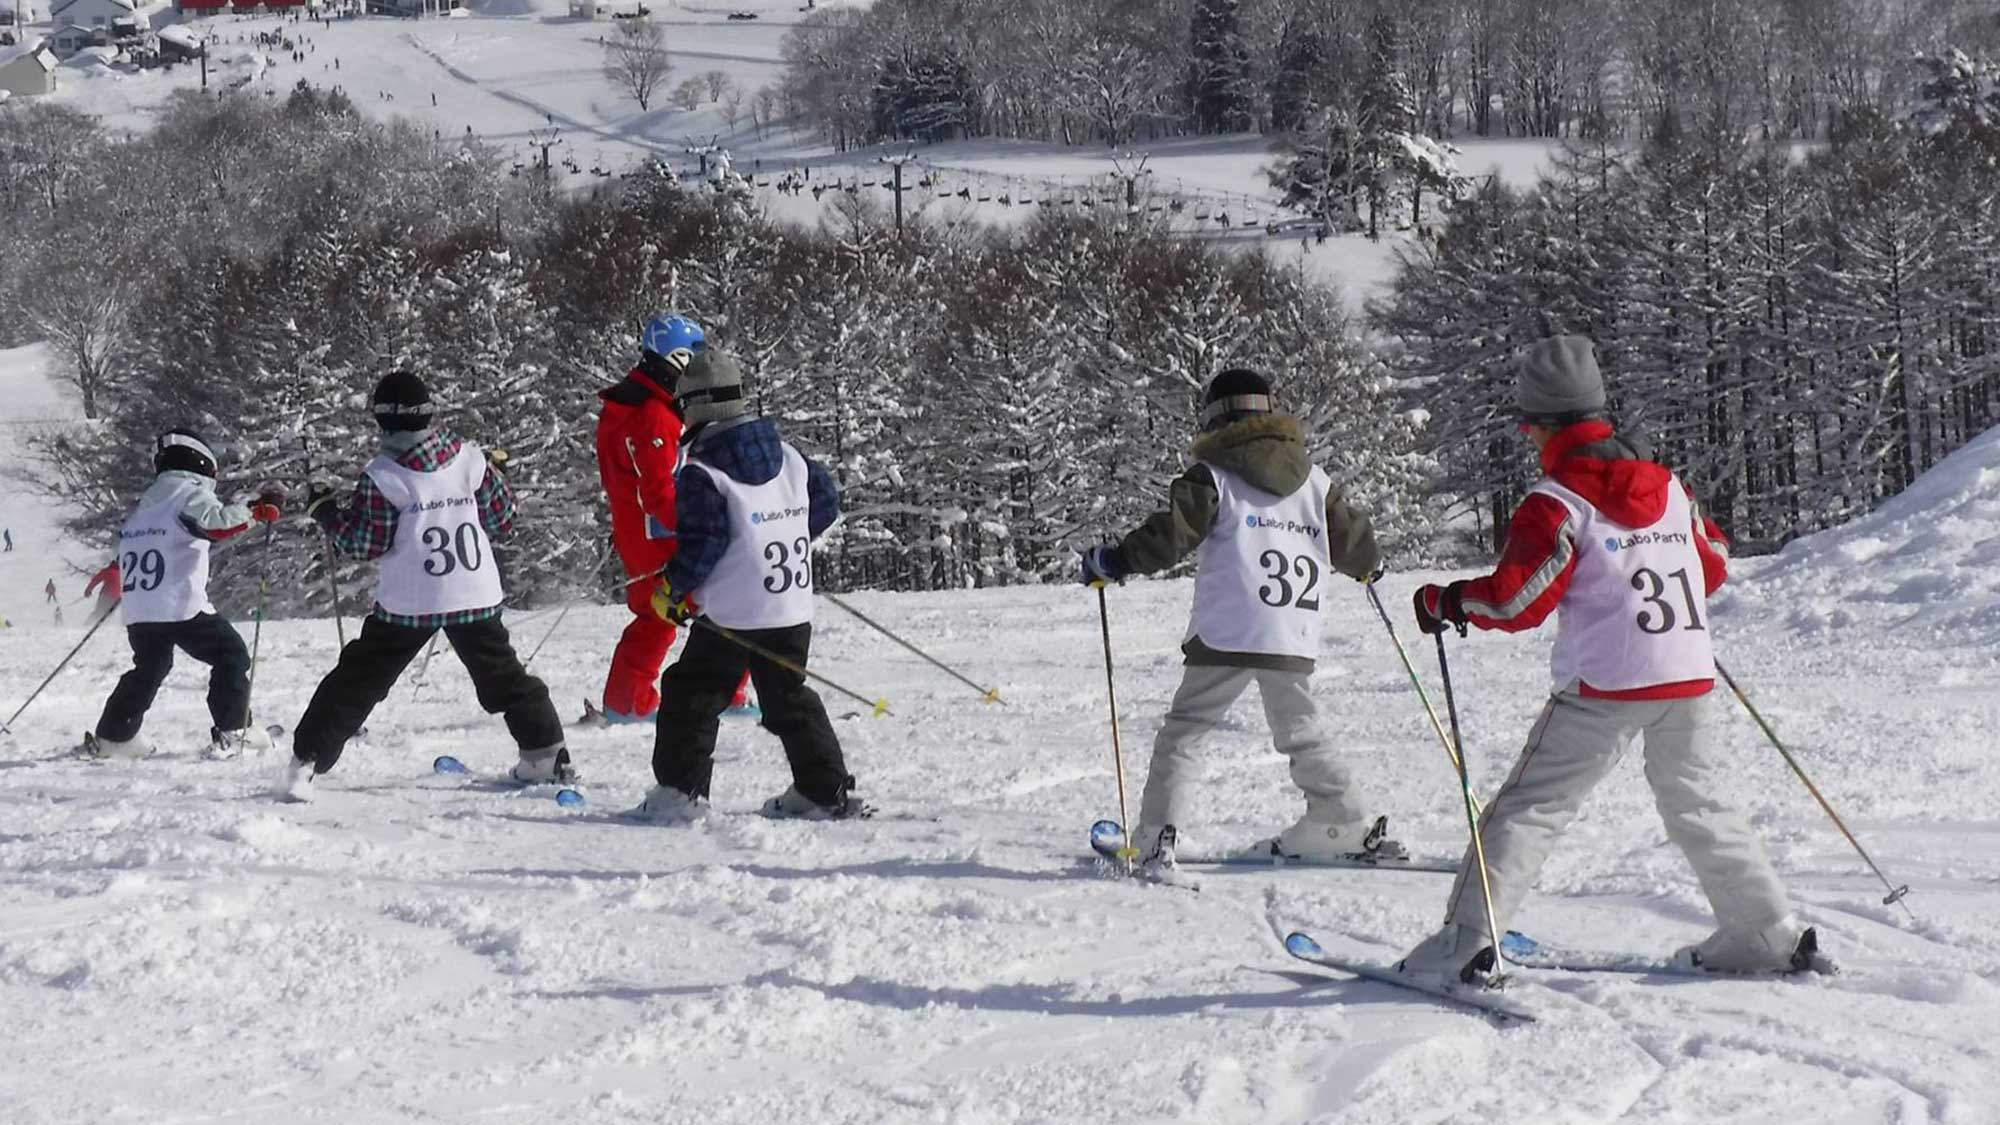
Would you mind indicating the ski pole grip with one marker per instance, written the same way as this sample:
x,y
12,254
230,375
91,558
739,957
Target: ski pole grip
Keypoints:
x,y
1896,895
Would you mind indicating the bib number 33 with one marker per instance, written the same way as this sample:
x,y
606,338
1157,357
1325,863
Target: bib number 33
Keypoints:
x,y
791,566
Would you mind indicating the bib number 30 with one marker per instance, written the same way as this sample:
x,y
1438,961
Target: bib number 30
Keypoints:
x,y
452,550
791,566
1660,617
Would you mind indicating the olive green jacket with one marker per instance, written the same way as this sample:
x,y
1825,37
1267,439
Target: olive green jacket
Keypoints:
x,y
1269,452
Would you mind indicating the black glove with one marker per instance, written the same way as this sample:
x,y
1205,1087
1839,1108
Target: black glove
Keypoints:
x,y
1101,564
322,504
1440,608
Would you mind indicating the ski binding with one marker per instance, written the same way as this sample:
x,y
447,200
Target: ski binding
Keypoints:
x,y
1488,998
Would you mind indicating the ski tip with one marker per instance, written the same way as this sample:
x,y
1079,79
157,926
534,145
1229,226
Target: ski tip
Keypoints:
x,y
445,763
1299,945
569,798
1514,943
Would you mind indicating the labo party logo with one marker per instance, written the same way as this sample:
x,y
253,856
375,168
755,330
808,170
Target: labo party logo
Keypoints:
x,y
776,514
1644,539
1266,523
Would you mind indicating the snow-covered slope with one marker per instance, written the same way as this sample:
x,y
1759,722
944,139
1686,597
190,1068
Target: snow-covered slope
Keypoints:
x,y
1928,558
176,947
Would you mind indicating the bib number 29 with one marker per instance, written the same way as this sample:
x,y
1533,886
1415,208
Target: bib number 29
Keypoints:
x,y
791,566
1281,568
1659,617
452,550
143,570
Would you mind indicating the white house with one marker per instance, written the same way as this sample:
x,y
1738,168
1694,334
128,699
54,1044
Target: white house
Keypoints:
x,y
91,13
29,68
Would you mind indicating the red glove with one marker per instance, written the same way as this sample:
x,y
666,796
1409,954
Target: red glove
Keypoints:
x,y
1440,608
265,513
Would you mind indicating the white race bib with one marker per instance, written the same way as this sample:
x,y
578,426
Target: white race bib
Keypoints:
x,y
1263,569
162,566
764,579
441,561
1636,611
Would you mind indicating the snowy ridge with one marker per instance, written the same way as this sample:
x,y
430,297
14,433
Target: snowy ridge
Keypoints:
x,y
1928,556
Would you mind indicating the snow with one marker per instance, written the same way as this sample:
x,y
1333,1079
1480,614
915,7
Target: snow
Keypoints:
x,y
416,948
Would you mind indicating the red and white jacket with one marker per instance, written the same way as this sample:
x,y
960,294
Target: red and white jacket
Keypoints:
x,y
1543,551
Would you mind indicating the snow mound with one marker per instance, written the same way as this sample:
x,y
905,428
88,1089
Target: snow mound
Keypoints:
x,y
1929,555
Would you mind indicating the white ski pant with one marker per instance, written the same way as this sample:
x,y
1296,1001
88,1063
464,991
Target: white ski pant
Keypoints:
x,y
1204,697
1573,746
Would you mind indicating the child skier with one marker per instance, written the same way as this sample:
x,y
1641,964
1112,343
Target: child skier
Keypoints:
x,y
638,449
427,506
162,574
1266,521
750,506
1616,544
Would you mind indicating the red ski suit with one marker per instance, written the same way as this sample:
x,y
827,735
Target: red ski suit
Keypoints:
x,y
638,448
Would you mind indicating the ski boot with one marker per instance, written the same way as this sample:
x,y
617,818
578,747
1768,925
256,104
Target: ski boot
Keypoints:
x,y
105,749
1783,946
295,784
1358,841
794,805
544,767
669,806
224,745
1454,956
1157,862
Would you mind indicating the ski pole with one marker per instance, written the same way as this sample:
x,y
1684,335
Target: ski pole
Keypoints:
x,y
1896,894
1471,806
1416,681
257,619
879,706
545,636
991,695
326,552
7,727
424,665
1128,853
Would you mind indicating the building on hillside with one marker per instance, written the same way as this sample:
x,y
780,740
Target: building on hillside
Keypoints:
x,y
70,39
27,69
412,9
200,7
91,13
180,44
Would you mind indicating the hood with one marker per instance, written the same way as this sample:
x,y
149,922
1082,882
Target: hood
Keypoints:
x,y
1616,474
1268,451
748,449
633,390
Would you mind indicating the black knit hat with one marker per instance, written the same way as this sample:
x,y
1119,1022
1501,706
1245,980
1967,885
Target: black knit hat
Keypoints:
x,y
185,450
402,402
1238,390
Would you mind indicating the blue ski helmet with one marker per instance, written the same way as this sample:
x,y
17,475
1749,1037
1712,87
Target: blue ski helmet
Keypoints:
x,y
665,334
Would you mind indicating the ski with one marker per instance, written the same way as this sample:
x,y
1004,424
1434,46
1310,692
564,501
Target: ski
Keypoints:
x,y
1527,953
566,794
1107,837
1488,998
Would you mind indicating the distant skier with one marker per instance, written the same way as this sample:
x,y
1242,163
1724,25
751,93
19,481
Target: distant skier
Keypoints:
x,y
162,573
638,450
427,506
1266,524
9,533
750,506
49,591
1616,543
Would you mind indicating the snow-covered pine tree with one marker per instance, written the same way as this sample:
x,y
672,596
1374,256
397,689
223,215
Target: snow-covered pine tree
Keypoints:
x,y
1220,96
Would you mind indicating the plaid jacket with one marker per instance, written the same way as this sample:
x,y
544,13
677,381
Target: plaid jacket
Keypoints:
x,y
366,526
749,452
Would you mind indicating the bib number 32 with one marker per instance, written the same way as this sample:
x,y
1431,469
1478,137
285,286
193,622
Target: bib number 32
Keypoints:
x,y
1281,568
1659,617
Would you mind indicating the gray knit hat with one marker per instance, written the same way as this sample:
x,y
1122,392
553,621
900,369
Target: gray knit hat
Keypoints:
x,y
1559,380
711,389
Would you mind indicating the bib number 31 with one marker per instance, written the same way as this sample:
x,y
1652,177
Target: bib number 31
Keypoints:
x,y
1660,617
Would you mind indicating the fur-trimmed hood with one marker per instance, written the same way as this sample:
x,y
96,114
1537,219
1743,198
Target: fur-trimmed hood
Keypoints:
x,y
1267,451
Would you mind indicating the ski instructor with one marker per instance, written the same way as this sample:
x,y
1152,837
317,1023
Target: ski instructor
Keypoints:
x,y
638,448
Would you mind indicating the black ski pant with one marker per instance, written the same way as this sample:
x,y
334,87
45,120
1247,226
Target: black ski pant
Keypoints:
x,y
696,689
371,663
206,637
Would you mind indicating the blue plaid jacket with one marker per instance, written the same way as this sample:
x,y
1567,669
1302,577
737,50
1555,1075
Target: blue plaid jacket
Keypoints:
x,y
749,453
